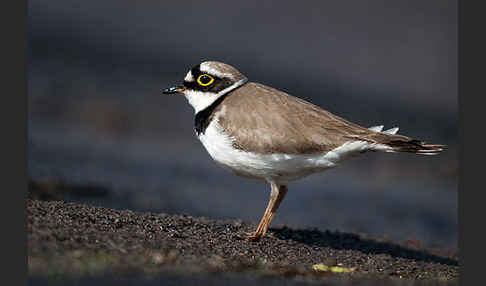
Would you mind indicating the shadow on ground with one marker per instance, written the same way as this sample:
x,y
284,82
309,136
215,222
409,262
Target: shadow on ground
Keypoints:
x,y
349,241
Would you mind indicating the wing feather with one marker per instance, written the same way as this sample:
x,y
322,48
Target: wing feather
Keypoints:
x,y
265,120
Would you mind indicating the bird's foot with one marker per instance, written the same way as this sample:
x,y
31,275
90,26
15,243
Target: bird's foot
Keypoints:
x,y
252,236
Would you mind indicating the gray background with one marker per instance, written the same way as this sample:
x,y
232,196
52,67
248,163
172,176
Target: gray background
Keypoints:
x,y
96,114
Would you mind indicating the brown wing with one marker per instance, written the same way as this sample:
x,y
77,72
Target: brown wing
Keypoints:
x,y
265,120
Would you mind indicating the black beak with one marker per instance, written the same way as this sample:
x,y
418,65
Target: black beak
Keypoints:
x,y
174,89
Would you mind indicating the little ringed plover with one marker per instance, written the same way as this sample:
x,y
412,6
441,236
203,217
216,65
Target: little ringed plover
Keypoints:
x,y
259,132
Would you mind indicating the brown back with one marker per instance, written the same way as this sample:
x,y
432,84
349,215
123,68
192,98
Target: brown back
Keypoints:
x,y
265,120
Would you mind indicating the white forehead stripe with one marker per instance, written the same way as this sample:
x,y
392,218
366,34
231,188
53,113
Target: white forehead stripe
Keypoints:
x,y
189,77
205,67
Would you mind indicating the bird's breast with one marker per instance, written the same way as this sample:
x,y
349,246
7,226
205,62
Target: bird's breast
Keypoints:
x,y
280,168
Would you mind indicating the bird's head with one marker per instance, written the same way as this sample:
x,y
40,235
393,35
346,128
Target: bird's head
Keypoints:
x,y
206,82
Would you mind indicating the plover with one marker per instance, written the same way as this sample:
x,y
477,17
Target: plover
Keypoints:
x,y
259,132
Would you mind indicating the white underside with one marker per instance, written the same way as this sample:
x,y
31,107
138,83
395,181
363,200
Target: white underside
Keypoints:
x,y
278,168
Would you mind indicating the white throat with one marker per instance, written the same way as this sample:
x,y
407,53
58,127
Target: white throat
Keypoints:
x,y
200,100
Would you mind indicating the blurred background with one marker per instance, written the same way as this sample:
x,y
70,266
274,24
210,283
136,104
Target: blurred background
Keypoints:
x,y
97,117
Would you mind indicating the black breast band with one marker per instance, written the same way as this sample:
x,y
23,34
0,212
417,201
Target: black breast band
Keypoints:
x,y
201,121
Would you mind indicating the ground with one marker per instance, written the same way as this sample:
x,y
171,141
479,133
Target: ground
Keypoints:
x,y
101,246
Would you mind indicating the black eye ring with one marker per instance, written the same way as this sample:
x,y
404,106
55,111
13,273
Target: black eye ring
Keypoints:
x,y
205,80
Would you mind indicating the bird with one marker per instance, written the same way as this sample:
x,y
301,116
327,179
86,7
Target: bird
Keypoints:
x,y
258,132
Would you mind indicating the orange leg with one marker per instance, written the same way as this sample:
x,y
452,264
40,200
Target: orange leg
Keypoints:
x,y
276,197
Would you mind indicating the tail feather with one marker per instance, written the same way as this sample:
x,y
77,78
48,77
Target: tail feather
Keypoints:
x,y
415,146
377,128
389,141
393,130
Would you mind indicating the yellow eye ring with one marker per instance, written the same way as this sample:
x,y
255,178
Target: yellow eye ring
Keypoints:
x,y
203,79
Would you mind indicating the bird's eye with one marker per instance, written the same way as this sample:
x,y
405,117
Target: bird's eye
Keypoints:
x,y
205,80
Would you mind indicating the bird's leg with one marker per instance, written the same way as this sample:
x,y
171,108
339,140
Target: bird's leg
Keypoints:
x,y
276,197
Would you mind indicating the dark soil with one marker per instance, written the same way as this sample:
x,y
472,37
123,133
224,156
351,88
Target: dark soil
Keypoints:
x,y
84,243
